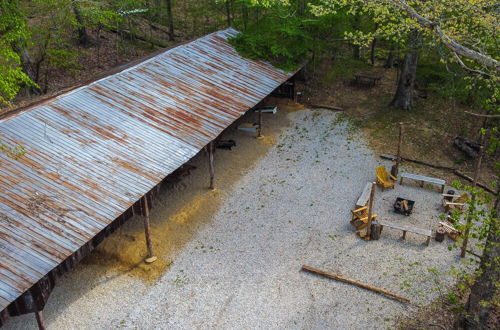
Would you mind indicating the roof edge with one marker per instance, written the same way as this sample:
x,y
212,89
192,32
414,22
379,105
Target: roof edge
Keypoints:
x,y
110,72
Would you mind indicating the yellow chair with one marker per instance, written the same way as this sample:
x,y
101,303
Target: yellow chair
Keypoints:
x,y
384,178
360,220
457,204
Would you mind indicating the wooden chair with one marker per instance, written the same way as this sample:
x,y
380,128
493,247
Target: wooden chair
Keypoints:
x,y
360,220
384,178
454,204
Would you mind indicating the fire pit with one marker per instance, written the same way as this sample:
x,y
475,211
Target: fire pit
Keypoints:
x,y
403,206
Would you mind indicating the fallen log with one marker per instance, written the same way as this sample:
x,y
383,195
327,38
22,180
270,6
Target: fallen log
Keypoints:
x,y
132,35
468,178
468,147
322,106
392,157
362,285
454,170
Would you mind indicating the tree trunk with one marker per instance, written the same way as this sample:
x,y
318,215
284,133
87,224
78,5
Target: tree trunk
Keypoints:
x,y
372,55
83,38
244,14
356,50
29,68
229,18
301,8
403,99
389,63
228,13
170,20
480,306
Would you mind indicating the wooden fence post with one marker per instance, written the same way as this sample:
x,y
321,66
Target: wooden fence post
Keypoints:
x,y
39,320
211,168
150,258
400,141
370,210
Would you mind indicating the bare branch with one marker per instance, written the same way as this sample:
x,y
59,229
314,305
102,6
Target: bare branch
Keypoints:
x,y
481,115
454,46
466,68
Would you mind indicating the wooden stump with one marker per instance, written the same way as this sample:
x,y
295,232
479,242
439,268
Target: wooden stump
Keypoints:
x,y
440,235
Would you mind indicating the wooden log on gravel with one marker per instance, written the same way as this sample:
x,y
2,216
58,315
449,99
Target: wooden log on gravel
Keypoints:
x,y
362,285
322,106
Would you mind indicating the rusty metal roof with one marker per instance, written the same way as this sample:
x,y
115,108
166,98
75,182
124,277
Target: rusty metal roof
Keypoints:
x,y
94,151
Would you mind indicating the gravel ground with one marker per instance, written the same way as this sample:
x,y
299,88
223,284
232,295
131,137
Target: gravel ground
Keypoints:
x,y
242,269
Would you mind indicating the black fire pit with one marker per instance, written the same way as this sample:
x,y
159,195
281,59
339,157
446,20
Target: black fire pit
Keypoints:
x,y
403,206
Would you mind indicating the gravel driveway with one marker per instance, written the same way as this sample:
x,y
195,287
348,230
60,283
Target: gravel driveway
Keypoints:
x,y
241,270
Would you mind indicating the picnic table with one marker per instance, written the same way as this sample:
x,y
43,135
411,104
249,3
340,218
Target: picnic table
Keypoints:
x,y
366,81
422,179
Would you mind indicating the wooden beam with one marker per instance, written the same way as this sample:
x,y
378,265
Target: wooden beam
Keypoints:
x,y
361,285
370,210
211,168
398,157
39,320
259,128
150,257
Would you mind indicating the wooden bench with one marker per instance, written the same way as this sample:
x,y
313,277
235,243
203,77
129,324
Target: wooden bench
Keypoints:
x,y
406,228
366,81
422,179
365,196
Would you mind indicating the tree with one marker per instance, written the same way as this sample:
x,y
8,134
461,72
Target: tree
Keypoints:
x,y
170,20
466,28
13,32
403,99
83,38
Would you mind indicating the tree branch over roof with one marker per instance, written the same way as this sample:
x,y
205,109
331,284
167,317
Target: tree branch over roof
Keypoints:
x,y
451,44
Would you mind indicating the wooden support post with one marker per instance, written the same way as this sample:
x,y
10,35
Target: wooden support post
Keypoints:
x,y
473,198
150,258
211,168
39,320
259,128
400,141
370,210
362,285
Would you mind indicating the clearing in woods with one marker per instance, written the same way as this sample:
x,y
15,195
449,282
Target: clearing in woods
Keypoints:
x,y
231,258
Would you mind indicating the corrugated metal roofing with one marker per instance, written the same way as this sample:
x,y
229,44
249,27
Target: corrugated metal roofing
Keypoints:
x,y
93,152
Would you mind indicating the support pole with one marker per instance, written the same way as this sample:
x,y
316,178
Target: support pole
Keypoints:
x,y
370,211
211,168
469,213
400,141
39,320
259,128
150,257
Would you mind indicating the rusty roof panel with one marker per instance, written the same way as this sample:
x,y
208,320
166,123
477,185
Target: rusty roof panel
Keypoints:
x,y
94,151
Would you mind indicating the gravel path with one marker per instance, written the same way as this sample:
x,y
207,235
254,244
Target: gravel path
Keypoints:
x,y
242,270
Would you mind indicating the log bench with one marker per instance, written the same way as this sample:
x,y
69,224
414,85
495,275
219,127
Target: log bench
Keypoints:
x,y
422,179
406,228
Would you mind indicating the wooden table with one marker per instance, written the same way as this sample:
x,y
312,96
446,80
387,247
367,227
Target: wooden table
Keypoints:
x,y
366,81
